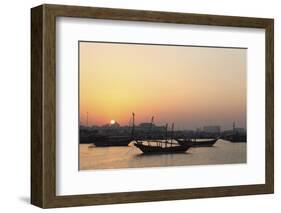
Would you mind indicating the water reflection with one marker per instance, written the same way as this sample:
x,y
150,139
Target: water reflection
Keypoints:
x,y
223,152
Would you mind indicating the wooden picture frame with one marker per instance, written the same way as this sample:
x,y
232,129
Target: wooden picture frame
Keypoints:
x,y
43,105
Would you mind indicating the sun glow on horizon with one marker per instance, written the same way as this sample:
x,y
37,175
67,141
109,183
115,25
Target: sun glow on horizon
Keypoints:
x,y
191,86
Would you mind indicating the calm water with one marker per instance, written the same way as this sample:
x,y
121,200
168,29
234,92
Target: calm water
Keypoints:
x,y
223,152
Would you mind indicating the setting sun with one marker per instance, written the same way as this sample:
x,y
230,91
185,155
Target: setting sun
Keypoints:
x,y
112,122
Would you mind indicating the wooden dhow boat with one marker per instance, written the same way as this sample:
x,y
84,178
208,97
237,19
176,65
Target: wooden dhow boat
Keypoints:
x,y
166,146
112,140
162,149
104,141
198,142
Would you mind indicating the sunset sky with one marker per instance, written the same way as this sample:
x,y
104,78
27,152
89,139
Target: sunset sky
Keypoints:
x,y
190,86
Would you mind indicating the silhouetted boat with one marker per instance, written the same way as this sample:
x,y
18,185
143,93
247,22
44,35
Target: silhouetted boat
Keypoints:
x,y
196,143
102,141
161,146
112,140
236,138
160,149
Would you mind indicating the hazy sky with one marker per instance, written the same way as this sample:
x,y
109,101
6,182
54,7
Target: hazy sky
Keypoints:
x,y
190,86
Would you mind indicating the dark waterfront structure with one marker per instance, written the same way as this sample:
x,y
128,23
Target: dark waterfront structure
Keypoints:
x,y
236,135
117,135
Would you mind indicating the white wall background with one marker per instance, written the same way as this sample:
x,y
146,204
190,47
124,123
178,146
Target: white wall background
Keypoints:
x,y
15,105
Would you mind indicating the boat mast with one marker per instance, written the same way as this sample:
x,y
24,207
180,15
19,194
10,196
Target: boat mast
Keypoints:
x,y
150,129
172,134
166,136
87,120
133,125
151,123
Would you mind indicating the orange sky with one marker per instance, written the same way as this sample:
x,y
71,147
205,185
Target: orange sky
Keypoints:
x,y
190,86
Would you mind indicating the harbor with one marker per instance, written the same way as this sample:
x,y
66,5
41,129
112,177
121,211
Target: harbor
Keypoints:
x,y
223,152
156,146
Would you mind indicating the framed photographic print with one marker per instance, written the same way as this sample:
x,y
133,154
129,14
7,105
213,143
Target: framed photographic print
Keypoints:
x,y
136,106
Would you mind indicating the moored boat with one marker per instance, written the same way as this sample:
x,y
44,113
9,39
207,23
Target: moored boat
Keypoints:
x,y
198,143
160,149
104,141
112,140
236,138
167,146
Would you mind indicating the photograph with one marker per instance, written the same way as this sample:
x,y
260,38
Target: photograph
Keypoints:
x,y
158,105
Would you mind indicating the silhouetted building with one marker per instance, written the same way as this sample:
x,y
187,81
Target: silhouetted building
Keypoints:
x,y
145,125
212,129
